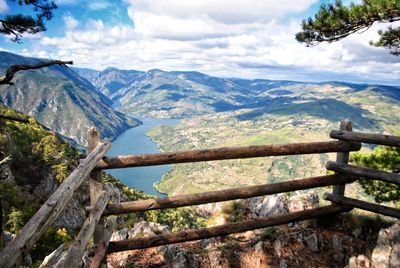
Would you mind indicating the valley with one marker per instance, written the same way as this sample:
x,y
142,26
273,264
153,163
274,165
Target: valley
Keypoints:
x,y
226,112
61,100
213,112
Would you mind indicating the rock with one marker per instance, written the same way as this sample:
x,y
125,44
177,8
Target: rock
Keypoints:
x,y
5,173
312,242
386,254
116,196
303,201
210,242
215,258
258,247
176,257
282,263
278,247
72,217
8,237
357,232
360,261
51,259
140,229
269,205
338,257
336,243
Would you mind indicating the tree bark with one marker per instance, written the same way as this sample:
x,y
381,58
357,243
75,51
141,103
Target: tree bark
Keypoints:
x,y
21,67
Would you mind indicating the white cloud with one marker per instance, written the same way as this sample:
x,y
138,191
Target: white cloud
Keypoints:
x,y
93,5
3,6
175,19
98,4
70,22
204,36
224,11
68,2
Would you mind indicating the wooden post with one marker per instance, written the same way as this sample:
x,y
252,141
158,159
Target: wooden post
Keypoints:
x,y
15,251
101,249
384,210
95,183
342,158
222,230
225,195
78,247
124,161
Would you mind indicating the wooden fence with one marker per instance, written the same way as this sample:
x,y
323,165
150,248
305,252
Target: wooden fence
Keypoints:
x,y
100,228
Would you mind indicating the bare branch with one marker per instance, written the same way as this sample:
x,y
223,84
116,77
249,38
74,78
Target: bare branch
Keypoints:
x,y
5,160
14,118
20,67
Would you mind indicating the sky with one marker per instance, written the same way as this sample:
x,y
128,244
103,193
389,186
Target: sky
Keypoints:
x,y
228,38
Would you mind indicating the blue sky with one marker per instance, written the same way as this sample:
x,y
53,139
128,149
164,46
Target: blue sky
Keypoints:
x,y
231,38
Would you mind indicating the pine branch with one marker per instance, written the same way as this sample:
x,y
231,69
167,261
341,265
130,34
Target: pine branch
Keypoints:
x,y
335,21
20,67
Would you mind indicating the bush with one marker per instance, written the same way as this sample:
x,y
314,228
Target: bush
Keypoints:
x,y
384,158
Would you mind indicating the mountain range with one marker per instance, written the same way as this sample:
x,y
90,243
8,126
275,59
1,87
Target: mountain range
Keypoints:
x,y
161,94
70,100
61,99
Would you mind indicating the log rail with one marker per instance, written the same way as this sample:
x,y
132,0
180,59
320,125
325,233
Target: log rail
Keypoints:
x,y
227,153
100,229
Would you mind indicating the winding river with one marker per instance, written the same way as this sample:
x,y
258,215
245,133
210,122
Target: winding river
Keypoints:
x,y
135,141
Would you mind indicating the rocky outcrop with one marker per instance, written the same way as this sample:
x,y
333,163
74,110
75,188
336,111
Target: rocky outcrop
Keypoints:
x,y
140,229
277,204
386,254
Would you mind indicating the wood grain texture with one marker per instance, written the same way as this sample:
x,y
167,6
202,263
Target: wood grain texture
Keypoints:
x,y
342,157
227,153
78,247
366,137
222,230
384,210
15,251
224,195
368,173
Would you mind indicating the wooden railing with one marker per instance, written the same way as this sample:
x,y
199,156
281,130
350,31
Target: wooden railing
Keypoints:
x,y
100,228
14,252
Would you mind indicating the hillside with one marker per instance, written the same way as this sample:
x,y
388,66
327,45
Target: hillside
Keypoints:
x,y
33,162
61,100
219,112
161,94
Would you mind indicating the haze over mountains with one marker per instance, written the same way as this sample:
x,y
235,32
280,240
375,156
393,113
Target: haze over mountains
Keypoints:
x,y
70,100
157,93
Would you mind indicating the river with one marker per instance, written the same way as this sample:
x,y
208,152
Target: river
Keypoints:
x,y
135,141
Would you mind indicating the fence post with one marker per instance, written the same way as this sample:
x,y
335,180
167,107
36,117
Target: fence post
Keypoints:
x,y
95,183
342,158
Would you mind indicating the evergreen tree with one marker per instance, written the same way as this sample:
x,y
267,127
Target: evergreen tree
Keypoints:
x,y
334,22
384,158
17,25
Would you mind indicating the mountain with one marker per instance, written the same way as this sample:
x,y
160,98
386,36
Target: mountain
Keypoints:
x,y
157,93
112,79
61,99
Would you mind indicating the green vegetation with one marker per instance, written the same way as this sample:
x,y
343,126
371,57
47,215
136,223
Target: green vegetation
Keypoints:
x,y
31,146
175,219
39,158
384,158
17,25
335,21
311,111
36,154
61,100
